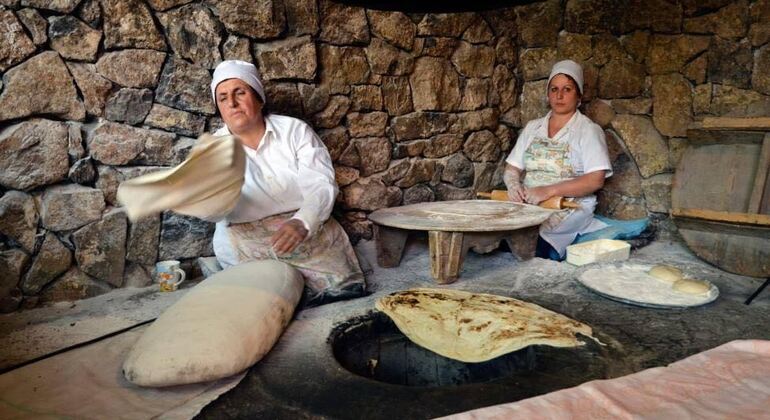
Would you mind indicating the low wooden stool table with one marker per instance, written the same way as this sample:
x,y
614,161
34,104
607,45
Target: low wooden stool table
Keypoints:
x,y
454,227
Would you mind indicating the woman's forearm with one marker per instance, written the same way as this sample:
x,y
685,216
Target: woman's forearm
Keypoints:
x,y
512,176
578,187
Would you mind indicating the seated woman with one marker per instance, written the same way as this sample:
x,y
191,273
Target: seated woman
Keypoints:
x,y
276,238
562,154
288,192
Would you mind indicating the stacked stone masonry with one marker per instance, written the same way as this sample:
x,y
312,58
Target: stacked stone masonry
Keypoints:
x,y
412,107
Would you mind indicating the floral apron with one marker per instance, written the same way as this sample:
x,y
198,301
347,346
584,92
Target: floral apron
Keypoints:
x,y
547,161
326,260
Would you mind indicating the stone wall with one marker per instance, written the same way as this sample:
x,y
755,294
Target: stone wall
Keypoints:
x,y
413,107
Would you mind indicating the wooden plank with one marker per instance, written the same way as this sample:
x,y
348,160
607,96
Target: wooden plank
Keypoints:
x,y
764,207
698,136
732,123
390,245
722,216
446,255
739,249
760,179
716,177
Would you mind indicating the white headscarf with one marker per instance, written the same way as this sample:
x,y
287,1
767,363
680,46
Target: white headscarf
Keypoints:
x,y
237,69
571,69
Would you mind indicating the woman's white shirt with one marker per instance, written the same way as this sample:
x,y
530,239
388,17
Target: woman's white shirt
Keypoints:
x,y
588,153
289,170
588,150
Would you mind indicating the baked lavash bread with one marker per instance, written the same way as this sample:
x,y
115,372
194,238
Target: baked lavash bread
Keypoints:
x,y
222,326
476,327
206,185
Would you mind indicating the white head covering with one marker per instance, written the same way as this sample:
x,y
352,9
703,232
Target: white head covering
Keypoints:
x,y
237,69
570,68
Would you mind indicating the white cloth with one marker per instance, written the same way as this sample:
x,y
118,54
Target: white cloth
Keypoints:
x,y
237,69
731,381
588,153
290,170
571,69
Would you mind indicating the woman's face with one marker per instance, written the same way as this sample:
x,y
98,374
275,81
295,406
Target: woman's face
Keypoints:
x,y
239,105
563,95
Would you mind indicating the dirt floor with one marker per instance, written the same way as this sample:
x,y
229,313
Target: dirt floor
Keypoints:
x,y
300,377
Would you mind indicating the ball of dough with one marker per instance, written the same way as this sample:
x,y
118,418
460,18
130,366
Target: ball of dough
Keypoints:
x,y
692,287
666,273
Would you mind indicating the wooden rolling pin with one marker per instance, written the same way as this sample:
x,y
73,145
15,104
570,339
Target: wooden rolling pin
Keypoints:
x,y
556,203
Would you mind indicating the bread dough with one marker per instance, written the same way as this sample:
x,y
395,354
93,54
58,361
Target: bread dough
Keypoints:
x,y
666,273
692,287
476,327
206,185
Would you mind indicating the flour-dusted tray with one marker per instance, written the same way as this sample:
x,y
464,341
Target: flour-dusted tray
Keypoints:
x,y
630,283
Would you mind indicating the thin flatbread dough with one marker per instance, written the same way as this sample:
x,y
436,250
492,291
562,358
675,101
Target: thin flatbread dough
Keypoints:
x,y
476,327
666,273
206,185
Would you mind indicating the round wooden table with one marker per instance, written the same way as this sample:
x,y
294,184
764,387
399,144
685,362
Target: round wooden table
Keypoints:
x,y
454,227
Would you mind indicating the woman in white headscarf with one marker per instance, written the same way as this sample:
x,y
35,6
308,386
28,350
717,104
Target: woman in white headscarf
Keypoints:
x,y
562,154
288,192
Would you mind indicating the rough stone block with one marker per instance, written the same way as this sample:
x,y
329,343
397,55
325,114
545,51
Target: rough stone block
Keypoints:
x,y
100,247
58,202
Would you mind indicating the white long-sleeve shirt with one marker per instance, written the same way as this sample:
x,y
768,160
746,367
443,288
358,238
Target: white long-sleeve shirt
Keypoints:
x,y
289,170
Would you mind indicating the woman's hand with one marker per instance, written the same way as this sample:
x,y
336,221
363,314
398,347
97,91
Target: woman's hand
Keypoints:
x,y
512,178
537,194
288,236
517,193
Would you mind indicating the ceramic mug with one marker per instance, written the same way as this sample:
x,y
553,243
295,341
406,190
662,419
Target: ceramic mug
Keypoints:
x,y
168,275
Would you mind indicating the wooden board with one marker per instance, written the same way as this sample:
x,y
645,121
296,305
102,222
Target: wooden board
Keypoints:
x,y
716,177
462,216
760,194
719,198
732,247
722,216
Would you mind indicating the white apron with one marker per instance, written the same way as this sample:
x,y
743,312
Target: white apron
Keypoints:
x,y
547,161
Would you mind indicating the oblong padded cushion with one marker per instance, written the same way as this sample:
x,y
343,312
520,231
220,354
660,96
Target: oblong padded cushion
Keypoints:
x,y
222,326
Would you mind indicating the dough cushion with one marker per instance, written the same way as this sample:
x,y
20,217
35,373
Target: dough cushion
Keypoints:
x,y
475,327
666,273
692,287
206,185
222,326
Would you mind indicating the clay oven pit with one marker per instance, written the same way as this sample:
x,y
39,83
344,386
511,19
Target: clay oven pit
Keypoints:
x,y
373,347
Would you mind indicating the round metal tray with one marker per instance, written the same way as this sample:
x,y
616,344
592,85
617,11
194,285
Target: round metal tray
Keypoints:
x,y
608,293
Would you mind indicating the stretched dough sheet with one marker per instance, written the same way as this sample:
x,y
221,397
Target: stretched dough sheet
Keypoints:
x,y
206,185
87,383
727,382
476,327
